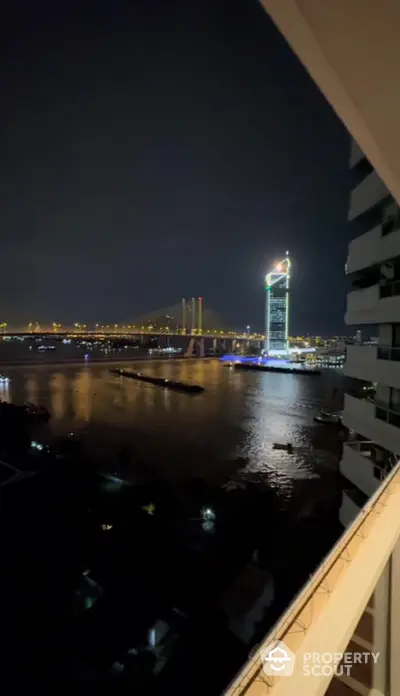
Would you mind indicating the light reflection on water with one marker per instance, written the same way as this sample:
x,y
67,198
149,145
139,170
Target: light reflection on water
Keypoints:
x,y
279,411
239,415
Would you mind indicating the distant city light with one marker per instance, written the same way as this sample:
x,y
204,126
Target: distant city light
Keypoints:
x,y
207,514
149,508
36,445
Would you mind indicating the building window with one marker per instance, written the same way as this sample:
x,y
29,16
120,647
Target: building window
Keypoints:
x,y
384,352
395,399
396,335
390,289
378,473
390,218
381,413
390,278
394,419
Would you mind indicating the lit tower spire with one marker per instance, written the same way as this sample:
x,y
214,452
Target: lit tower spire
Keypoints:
x,y
277,308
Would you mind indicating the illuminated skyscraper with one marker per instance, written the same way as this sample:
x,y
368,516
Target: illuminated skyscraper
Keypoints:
x,y
277,308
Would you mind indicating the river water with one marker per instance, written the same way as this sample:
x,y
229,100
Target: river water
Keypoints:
x,y
230,427
286,506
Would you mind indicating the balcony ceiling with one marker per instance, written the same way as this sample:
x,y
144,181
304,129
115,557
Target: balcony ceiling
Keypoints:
x,y
351,50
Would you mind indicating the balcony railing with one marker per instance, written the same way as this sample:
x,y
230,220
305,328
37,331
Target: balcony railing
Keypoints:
x,y
321,615
362,305
370,450
389,353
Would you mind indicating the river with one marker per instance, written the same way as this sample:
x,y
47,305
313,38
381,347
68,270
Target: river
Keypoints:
x,y
286,506
231,427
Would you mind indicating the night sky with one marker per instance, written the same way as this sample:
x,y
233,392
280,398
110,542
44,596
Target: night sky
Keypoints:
x,y
160,148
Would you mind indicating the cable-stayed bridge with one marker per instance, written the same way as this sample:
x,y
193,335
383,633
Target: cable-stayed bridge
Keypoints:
x,y
187,318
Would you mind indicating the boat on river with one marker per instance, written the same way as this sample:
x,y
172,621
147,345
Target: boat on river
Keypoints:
x,y
289,448
261,367
327,418
331,415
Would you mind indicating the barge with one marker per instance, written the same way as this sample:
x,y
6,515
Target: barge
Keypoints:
x,y
159,381
255,367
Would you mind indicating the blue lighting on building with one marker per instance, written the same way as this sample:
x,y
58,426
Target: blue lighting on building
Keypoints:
x,y
256,361
276,364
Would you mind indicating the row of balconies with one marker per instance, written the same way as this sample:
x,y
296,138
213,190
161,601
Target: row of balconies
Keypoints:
x,y
366,463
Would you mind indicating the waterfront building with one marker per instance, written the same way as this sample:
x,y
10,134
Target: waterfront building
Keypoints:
x,y
277,308
372,410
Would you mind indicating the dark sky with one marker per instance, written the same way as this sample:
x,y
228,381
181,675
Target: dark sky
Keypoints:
x,y
160,148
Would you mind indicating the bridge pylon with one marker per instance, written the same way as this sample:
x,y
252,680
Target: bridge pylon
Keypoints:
x,y
194,345
195,310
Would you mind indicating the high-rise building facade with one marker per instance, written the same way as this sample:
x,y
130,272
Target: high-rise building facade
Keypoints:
x,y
372,410
277,308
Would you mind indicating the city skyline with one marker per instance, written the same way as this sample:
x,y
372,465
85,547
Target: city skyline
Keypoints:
x,y
153,166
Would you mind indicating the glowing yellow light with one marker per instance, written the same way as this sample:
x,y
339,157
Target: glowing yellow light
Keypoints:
x,y
279,267
150,508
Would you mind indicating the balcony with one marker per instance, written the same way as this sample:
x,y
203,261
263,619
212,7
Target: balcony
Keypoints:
x,y
378,245
362,306
378,304
365,465
370,191
361,362
379,364
375,421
